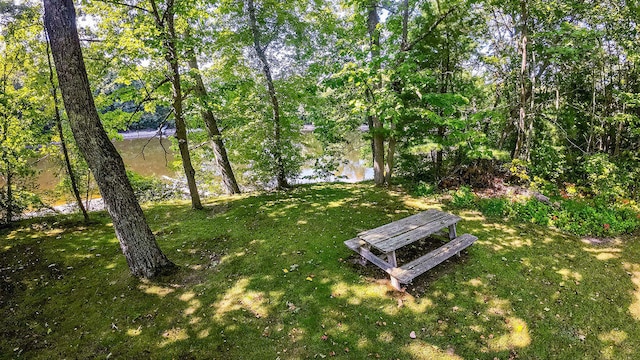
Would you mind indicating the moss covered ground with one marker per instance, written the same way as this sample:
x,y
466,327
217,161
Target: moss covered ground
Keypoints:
x,y
266,276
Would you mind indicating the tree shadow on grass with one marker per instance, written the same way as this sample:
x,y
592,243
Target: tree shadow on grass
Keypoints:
x,y
269,276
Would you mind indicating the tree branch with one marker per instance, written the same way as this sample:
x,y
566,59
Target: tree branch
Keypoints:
x,y
91,40
159,134
430,30
147,98
156,14
126,5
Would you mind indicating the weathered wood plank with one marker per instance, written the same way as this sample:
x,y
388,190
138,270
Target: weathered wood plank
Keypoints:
x,y
391,258
402,225
354,244
453,233
409,271
419,233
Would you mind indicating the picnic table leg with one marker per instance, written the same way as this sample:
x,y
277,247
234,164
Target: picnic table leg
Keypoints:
x,y
391,259
363,260
452,232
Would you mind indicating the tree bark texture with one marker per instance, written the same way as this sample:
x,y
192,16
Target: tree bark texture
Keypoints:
x,y
377,131
171,55
229,182
281,176
144,257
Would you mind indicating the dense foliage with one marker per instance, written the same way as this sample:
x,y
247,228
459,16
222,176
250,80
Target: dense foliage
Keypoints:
x,y
540,94
579,217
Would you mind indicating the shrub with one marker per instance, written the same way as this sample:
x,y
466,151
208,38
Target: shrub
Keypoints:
x,y
463,198
424,189
22,201
518,171
582,218
604,178
495,207
148,188
533,211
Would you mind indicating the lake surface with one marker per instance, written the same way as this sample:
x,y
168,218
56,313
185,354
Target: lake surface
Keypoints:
x,y
150,162
152,157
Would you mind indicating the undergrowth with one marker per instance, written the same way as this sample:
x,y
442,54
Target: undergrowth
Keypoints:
x,y
579,217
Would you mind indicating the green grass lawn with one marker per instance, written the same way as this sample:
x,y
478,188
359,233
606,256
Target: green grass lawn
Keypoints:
x,y
267,276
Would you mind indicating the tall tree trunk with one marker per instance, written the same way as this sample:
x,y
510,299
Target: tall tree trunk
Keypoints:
x,y
618,135
404,45
144,257
444,89
520,151
593,113
9,211
9,174
165,24
222,160
531,96
377,132
171,55
63,142
281,175
391,152
370,127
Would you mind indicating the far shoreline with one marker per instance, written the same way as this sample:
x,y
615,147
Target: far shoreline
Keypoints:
x,y
146,134
152,133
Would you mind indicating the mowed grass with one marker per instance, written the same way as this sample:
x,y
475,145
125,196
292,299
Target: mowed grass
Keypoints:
x,y
267,276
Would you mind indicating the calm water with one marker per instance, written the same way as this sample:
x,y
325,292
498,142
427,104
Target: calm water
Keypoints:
x,y
150,162
153,158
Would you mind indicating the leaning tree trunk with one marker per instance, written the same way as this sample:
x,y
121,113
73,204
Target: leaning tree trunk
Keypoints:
x,y
171,55
377,132
137,242
222,160
63,142
281,175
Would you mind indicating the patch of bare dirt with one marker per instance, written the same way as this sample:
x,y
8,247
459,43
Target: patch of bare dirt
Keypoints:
x,y
598,241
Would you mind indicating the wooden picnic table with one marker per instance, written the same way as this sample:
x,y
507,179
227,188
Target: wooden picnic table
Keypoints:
x,y
387,239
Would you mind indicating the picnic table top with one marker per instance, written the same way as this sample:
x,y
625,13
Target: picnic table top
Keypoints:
x,y
397,234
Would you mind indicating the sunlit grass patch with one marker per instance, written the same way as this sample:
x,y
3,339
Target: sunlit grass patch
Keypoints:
x,y
268,276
